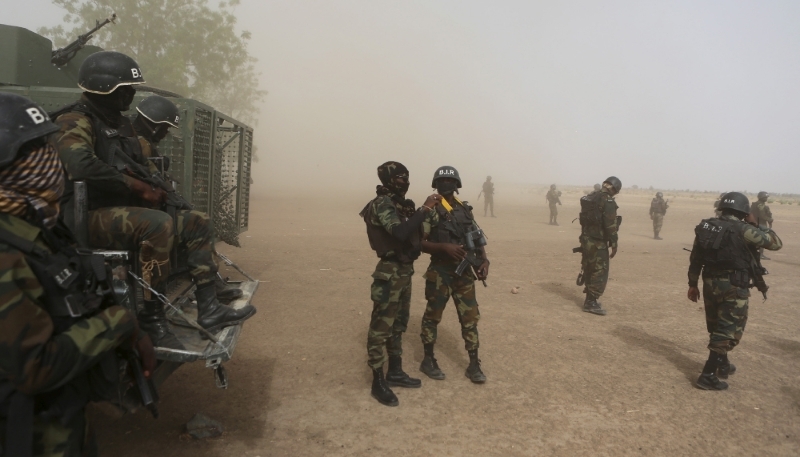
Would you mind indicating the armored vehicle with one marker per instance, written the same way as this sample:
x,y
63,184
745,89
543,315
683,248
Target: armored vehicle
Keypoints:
x,y
210,158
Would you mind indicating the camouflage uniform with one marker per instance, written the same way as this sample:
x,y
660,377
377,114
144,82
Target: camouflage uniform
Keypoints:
x,y
726,305
37,361
595,241
442,282
390,291
658,209
130,225
763,214
553,198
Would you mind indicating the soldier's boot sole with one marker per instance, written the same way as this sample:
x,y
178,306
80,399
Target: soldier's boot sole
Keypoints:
x,y
710,382
430,369
380,391
724,372
407,381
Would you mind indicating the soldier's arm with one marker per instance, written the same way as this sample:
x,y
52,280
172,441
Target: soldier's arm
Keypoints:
x,y
31,357
75,144
695,265
387,215
610,222
766,239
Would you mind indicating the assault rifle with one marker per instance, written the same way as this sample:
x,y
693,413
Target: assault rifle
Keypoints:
x,y
125,163
62,56
475,240
758,272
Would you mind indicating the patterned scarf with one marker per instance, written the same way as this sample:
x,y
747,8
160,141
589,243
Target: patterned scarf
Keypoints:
x,y
405,206
31,186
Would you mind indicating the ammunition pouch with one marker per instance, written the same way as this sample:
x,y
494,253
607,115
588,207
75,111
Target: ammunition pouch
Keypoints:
x,y
740,278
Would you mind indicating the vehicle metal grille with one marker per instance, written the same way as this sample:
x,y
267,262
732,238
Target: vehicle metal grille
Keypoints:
x,y
201,158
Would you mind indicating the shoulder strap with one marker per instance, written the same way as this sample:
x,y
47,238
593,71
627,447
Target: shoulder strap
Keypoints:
x,y
22,244
74,106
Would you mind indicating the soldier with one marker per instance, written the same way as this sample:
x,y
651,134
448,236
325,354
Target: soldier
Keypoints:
x,y
553,197
763,216
58,335
393,229
156,114
724,251
658,209
122,215
488,195
599,225
597,187
444,235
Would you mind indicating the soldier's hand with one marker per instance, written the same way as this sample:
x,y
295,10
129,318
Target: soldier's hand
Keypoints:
x,y
454,251
153,195
483,271
613,252
751,219
693,294
432,200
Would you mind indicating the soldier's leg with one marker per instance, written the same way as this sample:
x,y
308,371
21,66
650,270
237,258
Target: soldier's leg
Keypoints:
x,y
150,233
658,221
485,205
395,376
468,316
385,292
726,308
53,439
555,215
491,205
195,234
437,293
595,274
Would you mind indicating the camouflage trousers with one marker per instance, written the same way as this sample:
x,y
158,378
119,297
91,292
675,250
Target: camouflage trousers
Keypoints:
x,y
726,312
153,234
391,301
594,260
658,221
53,439
488,203
441,282
553,212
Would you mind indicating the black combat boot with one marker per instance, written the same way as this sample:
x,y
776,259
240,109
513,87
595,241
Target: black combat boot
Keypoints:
x,y
225,294
474,372
429,365
213,316
591,305
726,369
396,377
381,391
153,321
708,380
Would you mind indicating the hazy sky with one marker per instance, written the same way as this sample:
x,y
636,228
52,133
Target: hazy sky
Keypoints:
x,y
677,94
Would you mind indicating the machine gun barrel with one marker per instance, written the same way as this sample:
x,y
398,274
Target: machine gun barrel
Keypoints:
x,y
62,56
129,166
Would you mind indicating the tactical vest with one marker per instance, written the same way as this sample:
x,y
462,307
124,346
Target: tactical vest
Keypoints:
x,y
383,243
453,225
591,217
658,206
108,142
76,285
722,246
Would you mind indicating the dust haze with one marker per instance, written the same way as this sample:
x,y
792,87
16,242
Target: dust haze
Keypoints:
x,y
678,95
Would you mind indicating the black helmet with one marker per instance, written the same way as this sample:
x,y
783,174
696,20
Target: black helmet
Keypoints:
x,y
763,196
735,201
446,172
159,110
104,71
552,186
659,195
615,183
21,121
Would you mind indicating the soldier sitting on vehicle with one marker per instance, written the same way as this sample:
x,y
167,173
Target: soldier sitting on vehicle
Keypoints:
x,y
155,116
59,325
124,210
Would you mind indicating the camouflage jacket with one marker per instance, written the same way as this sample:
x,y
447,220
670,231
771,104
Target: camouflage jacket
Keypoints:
x,y
383,213
608,231
658,206
488,188
553,197
433,221
762,213
752,236
32,358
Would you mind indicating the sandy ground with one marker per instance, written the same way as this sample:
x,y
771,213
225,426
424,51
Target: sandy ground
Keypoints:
x,y
560,381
